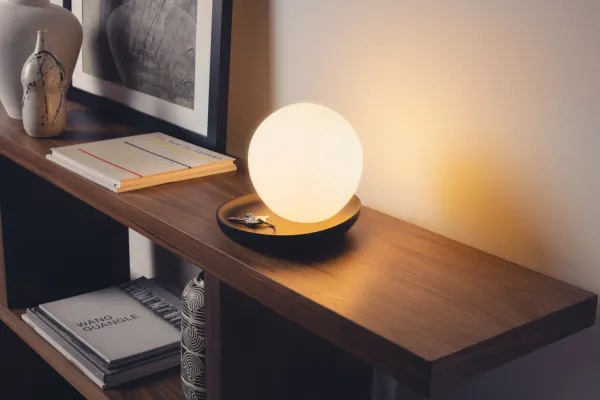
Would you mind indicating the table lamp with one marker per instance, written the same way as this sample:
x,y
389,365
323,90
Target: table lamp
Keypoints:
x,y
305,162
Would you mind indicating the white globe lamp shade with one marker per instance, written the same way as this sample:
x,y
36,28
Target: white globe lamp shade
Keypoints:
x,y
305,162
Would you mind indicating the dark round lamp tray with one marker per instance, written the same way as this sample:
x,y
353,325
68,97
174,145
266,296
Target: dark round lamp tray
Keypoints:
x,y
288,234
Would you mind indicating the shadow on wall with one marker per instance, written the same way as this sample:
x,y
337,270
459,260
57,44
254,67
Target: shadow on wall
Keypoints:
x,y
170,269
150,260
250,79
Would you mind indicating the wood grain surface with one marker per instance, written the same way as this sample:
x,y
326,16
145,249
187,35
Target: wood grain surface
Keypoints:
x,y
425,309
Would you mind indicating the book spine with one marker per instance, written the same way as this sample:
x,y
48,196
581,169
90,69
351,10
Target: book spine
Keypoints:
x,y
93,377
40,318
153,302
84,173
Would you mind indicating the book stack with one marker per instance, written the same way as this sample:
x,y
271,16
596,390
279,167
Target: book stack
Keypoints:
x,y
114,335
137,162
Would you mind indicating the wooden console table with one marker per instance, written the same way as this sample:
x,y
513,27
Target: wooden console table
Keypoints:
x,y
427,310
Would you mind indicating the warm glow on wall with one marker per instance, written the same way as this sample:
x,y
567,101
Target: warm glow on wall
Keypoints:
x,y
305,162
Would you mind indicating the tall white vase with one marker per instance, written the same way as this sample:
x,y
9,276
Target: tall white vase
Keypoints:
x,y
44,92
19,22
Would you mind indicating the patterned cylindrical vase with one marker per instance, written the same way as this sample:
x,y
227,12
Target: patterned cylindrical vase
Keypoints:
x,y
193,378
44,92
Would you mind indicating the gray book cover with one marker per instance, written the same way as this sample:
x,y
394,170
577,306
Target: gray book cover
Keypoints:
x,y
37,315
120,324
103,378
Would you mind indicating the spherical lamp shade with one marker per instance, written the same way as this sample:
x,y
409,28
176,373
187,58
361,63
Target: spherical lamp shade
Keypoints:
x,y
305,162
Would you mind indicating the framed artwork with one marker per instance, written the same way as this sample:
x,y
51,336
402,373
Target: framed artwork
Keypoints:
x,y
165,59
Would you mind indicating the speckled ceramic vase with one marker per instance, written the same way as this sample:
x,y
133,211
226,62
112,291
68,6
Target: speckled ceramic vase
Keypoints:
x,y
44,92
193,343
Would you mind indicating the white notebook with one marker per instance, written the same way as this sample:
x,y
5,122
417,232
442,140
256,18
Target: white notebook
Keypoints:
x,y
135,162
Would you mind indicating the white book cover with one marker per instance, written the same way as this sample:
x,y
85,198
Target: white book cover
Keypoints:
x,y
136,157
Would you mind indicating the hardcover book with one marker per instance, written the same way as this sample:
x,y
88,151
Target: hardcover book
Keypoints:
x,y
136,162
119,325
91,367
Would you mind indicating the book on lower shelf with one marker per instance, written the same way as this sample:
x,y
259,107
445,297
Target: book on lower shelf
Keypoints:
x,y
114,335
141,161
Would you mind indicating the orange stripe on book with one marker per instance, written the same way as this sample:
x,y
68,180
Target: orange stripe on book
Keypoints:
x,y
108,162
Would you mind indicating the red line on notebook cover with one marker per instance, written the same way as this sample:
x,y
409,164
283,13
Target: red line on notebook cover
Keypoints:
x,y
108,162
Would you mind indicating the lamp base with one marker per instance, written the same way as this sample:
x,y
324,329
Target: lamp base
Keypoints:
x,y
287,235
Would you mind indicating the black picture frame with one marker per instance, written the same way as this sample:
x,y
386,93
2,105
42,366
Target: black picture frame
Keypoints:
x,y
220,48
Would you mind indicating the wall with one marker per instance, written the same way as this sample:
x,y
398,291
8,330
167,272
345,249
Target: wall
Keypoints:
x,y
480,120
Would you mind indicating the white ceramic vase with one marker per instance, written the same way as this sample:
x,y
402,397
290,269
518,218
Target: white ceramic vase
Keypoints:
x,y
19,22
44,92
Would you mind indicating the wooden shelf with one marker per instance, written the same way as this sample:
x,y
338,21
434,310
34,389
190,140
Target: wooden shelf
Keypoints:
x,y
165,386
425,309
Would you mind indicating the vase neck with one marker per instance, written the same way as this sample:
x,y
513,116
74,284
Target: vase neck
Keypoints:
x,y
41,41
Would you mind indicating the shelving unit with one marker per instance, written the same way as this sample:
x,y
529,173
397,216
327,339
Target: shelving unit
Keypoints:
x,y
427,310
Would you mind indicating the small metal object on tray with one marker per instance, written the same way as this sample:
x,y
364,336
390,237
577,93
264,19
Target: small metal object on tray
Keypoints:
x,y
235,220
251,220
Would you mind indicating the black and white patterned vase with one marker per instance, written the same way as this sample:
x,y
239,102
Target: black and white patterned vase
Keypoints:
x,y
45,86
193,343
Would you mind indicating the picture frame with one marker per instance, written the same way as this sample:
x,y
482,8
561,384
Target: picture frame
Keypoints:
x,y
205,123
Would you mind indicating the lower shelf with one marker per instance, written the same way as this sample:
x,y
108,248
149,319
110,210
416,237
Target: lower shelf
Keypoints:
x,y
164,386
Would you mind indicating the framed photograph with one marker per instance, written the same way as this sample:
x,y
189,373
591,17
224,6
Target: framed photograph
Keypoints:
x,y
167,59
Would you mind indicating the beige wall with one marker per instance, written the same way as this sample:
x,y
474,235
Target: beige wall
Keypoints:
x,y
479,119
